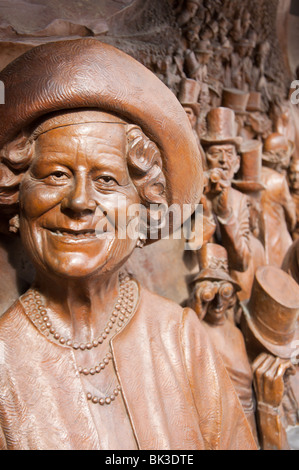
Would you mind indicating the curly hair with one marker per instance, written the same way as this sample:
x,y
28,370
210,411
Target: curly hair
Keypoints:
x,y
143,159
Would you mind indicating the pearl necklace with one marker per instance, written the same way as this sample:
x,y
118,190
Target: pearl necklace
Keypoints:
x,y
122,311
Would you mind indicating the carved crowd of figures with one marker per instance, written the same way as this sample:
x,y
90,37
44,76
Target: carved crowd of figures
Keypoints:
x,y
246,291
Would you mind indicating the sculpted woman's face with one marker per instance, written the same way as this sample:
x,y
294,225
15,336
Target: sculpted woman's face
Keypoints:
x,y
77,182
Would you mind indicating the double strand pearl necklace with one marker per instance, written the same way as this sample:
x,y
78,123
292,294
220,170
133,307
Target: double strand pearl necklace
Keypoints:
x,y
123,309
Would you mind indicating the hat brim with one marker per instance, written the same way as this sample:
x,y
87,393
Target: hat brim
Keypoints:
x,y
215,275
254,109
282,351
206,141
248,186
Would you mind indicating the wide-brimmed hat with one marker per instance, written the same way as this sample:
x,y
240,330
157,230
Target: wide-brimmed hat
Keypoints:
x,y
213,265
221,128
235,99
86,73
189,94
250,167
271,314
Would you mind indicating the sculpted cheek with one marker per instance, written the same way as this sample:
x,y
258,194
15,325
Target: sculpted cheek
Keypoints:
x,y
48,197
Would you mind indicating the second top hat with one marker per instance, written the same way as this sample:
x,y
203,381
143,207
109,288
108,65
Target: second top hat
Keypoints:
x,y
251,167
235,99
272,311
189,94
221,128
254,102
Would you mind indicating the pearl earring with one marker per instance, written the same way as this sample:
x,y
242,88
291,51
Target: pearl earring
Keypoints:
x,y
14,224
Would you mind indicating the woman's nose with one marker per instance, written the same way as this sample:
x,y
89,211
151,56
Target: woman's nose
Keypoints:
x,y
79,200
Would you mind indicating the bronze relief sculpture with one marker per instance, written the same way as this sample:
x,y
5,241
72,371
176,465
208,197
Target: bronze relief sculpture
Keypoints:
x,y
89,358
102,350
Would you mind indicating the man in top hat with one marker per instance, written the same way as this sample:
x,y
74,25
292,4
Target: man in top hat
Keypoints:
x,y
237,101
189,11
278,207
196,65
188,97
213,299
249,182
228,205
257,124
270,327
203,53
241,64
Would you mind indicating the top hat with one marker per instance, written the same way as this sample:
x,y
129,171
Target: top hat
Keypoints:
x,y
191,64
254,102
251,167
235,99
213,265
91,74
203,47
272,311
221,128
189,94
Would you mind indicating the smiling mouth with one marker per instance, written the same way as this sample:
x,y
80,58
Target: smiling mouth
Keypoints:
x,y
74,235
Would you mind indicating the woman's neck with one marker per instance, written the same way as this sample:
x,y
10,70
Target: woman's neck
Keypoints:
x,y
79,309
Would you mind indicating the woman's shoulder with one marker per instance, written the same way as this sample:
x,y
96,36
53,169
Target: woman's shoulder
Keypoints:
x,y
166,311
152,301
10,322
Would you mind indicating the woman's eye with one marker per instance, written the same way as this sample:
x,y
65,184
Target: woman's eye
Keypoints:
x,y
106,180
57,177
